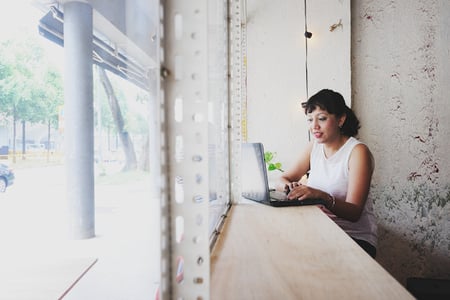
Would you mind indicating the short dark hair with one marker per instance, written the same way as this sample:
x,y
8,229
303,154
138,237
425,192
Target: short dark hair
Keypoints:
x,y
334,103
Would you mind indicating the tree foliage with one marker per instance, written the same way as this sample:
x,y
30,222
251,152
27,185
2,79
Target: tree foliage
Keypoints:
x,y
30,89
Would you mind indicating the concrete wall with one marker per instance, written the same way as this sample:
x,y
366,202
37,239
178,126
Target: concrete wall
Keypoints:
x,y
400,86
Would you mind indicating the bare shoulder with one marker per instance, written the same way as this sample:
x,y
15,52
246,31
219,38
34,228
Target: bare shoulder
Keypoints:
x,y
361,154
362,148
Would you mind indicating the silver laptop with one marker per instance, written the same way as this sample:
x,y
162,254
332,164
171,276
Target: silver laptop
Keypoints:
x,y
255,184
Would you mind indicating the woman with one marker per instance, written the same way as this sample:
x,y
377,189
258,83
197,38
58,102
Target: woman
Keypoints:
x,y
340,168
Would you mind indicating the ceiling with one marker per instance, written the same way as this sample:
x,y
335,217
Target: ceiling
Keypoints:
x,y
124,34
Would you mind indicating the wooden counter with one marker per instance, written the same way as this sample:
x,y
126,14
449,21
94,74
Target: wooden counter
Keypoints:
x,y
293,253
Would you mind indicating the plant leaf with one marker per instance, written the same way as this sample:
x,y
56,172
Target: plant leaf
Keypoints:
x,y
268,156
272,167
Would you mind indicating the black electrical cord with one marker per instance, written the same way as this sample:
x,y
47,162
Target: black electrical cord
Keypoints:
x,y
308,35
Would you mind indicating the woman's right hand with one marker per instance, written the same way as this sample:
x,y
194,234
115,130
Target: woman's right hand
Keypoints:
x,y
288,187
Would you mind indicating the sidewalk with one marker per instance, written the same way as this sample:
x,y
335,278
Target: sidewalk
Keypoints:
x,y
126,242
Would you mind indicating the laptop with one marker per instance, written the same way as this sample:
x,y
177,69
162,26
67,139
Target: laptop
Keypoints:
x,y
255,184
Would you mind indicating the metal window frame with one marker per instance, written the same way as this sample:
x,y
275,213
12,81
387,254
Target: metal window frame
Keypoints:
x,y
184,75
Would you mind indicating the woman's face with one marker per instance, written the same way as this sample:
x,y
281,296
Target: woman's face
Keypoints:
x,y
323,125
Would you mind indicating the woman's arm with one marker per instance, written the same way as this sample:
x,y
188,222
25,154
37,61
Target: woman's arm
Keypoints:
x,y
294,174
361,166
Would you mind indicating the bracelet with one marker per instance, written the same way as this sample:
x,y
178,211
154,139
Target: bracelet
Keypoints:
x,y
332,198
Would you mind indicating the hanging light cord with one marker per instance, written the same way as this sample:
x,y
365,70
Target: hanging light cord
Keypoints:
x,y
307,35
306,52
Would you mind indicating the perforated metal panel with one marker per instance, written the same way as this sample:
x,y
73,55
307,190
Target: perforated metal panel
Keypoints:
x,y
202,86
185,242
237,40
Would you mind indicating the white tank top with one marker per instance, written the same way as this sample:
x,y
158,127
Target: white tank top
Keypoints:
x,y
331,176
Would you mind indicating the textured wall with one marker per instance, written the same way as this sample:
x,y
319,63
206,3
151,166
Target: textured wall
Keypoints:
x,y
400,87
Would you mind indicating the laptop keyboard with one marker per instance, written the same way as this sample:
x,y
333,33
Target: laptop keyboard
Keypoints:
x,y
278,196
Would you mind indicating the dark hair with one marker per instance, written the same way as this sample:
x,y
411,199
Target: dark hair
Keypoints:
x,y
334,103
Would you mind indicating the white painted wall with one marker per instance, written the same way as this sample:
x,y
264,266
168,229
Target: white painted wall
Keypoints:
x,y
276,57
329,51
401,67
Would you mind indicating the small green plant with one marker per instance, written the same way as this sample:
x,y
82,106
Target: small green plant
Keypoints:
x,y
271,165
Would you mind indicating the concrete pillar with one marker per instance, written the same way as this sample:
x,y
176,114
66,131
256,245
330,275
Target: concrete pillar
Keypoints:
x,y
79,119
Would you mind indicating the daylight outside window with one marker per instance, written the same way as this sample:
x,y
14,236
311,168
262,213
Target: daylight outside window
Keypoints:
x,y
123,254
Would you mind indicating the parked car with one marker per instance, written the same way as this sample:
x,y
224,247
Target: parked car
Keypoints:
x,y
6,177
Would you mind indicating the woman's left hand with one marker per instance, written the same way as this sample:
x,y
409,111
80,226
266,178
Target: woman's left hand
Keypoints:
x,y
302,192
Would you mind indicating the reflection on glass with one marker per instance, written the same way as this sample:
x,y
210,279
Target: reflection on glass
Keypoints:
x,y
179,189
180,270
217,111
179,229
179,148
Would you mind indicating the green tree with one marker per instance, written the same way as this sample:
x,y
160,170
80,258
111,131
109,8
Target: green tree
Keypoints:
x,y
48,97
117,115
30,90
121,109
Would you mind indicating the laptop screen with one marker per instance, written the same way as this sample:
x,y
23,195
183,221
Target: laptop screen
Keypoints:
x,y
253,172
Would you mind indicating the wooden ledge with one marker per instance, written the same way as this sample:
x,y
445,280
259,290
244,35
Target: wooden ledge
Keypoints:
x,y
293,253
